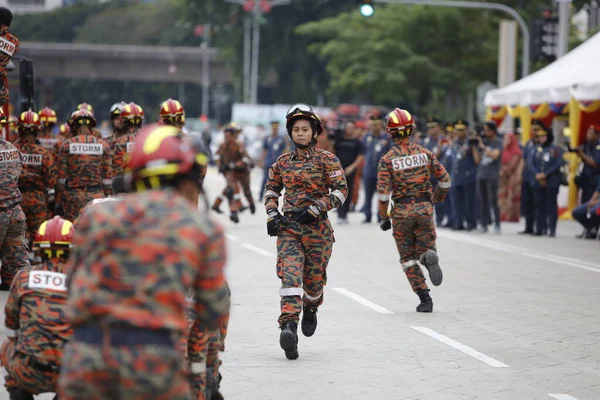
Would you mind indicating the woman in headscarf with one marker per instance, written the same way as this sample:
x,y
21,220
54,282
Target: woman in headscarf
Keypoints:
x,y
509,191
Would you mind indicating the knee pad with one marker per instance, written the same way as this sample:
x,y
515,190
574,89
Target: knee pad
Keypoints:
x,y
228,192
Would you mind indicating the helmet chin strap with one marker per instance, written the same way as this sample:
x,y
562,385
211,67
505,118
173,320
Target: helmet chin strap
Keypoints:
x,y
305,146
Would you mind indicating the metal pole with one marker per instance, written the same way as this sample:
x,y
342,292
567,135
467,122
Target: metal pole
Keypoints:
x,y
479,5
247,56
563,28
255,52
205,71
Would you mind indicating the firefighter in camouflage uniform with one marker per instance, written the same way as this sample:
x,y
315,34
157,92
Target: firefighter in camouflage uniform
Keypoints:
x,y
314,183
84,166
13,249
38,177
131,117
9,45
234,163
132,264
35,316
49,121
404,174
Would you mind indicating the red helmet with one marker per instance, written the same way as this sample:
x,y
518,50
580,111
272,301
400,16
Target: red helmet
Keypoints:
x,y
54,238
81,117
298,111
161,152
116,109
86,106
29,120
48,116
133,114
399,122
171,111
65,129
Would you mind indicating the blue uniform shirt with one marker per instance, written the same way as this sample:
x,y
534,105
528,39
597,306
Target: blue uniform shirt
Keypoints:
x,y
375,148
464,169
547,160
274,146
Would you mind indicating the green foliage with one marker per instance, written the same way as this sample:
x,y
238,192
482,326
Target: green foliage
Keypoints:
x,y
60,25
401,54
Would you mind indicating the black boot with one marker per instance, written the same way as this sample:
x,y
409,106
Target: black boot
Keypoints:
x,y
252,208
288,340
430,260
426,303
234,217
309,321
19,394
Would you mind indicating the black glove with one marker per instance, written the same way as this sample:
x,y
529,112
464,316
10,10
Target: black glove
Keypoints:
x,y
223,168
274,222
385,225
310,214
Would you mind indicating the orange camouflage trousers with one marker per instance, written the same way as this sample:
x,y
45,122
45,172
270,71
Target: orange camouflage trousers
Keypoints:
x,y
72,201
414,233
35,206
13,248
303,252
20,373
201,349
142,372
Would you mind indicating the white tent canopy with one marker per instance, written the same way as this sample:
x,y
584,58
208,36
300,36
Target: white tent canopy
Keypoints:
x,y
577,75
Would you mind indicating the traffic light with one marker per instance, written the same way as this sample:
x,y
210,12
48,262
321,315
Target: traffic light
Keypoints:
x,y
544,38
367,9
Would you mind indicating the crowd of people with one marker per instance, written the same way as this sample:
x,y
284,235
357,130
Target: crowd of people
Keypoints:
x,y
496,178
92,312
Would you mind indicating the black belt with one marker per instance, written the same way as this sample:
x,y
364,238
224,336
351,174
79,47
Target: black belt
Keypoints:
x,y
30,189
406,200
88,187
122,335
10,207
39,366
294,215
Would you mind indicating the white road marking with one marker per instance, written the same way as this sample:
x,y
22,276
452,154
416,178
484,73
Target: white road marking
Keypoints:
x,y
363,301
257,250
490,244
460,347
230,237
561,396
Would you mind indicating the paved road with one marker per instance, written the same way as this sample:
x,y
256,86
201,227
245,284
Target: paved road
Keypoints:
x,y
516,318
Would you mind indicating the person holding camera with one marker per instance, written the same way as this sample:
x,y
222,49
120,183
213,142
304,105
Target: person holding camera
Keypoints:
x,y
545,163
464,172
487,155
589,154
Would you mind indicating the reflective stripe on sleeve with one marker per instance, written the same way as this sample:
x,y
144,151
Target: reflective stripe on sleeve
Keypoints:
x,y
339,195
445,185
198,367
270,193
383,197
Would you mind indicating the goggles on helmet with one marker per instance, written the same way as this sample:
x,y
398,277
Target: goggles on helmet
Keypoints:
x,y
299,109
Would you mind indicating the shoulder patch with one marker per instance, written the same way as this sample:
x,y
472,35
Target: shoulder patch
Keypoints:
x,y
271,174
48,280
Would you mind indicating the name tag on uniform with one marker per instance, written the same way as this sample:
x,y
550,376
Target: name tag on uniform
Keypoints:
x,y
408,162
546,157
48,280
9,155
7,47
130,146
31,159
85,148
48,143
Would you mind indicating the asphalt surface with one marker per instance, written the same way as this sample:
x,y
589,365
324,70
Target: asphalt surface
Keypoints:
x,y
515,318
